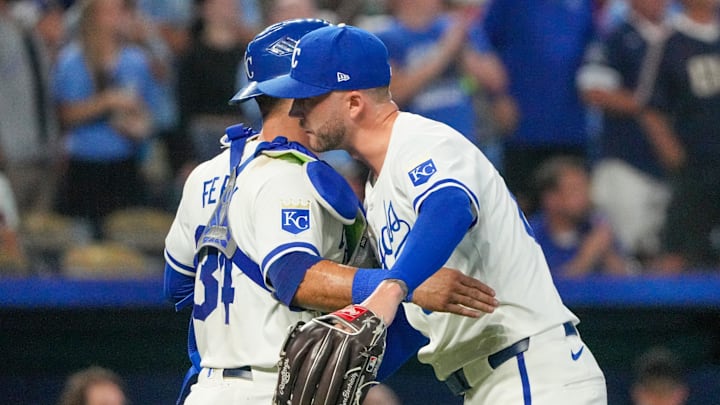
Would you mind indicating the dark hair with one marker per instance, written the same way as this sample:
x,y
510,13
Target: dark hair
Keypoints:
x,y
658,365
266,104
547,175
76,386
379,94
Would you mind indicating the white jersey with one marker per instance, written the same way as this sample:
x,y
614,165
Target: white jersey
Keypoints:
x,y
273,212
423,156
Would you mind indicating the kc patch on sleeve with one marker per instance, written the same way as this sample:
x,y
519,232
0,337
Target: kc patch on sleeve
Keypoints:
x,y
295,218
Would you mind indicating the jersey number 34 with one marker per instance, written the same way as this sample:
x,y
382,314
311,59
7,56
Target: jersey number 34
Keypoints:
x,y
212,262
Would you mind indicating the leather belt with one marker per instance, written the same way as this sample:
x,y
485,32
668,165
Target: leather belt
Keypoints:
x,y
458,383
240,372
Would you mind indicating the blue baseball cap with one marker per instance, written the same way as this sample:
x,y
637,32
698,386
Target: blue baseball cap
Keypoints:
x,y
269,54
336,57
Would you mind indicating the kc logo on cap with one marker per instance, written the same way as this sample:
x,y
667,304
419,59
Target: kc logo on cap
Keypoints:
x,y
295,54
270,53
333,58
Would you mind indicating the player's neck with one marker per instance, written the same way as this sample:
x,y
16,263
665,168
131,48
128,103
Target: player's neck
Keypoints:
x,y
283,126
371,142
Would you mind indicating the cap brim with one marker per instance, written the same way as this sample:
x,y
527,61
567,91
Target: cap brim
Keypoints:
x,y
286,87
246,93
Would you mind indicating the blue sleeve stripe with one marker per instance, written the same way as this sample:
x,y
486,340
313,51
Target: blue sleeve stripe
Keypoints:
x,y
287,272
284,249
181,268
442,184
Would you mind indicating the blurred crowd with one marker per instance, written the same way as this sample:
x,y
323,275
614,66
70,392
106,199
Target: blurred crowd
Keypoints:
x,y
603,116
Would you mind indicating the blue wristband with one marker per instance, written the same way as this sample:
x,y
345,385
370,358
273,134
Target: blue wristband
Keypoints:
x,y
365,282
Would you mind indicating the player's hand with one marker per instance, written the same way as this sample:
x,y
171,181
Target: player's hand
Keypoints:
x,y
449,290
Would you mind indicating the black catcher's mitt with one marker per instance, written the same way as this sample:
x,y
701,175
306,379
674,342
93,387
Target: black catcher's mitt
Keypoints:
x,y
332,359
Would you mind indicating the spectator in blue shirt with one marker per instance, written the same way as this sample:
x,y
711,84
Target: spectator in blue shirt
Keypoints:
x,y
576,241
104,92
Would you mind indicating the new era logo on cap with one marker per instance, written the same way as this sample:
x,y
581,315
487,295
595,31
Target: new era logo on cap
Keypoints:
x,y
336,57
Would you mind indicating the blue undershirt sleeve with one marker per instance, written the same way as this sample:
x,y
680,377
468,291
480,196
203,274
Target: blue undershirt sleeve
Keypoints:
x,y
402,343
176,285
444,218
288,272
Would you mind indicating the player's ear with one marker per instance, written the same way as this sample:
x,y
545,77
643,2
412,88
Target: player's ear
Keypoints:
x,y
355,103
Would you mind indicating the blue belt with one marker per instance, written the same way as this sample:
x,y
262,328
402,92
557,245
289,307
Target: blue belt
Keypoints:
x,y
240,372
458,383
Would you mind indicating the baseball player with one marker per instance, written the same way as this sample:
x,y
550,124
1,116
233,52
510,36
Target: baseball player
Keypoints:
x,y
264,213
433,199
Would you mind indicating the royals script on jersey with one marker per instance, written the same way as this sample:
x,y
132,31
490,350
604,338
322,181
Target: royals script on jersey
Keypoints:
x,y
424,156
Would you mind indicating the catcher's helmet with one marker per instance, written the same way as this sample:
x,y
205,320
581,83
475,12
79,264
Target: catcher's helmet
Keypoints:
x,y
269,54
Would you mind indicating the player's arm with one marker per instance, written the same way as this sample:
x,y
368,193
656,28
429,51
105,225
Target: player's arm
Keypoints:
x,y
301,278
179,252
307,281
311,282
443,219
177,286
178,281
